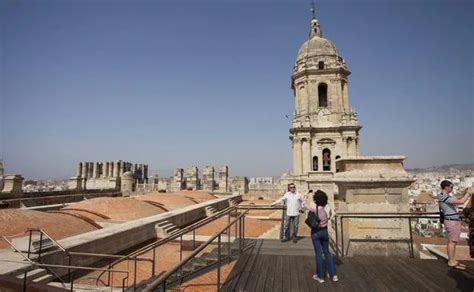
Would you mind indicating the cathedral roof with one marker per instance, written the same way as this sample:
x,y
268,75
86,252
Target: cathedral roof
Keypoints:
x,y
316,45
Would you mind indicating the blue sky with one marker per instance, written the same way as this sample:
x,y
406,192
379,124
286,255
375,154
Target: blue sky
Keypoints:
x,y
208,82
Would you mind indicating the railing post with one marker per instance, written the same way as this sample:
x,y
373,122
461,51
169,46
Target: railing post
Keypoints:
x,y
228,235
135,275
110,266
243,231
181,248
412,252
342,237
282,224
71,279
153,267
41,247
219,263
240,234
337,241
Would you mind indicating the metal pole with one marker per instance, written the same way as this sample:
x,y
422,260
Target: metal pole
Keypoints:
x,y
342,236
153,267
219,263
337,241
41,246
110,266
243,232
181,248
71,279
228,235
135,275
412,252
282,224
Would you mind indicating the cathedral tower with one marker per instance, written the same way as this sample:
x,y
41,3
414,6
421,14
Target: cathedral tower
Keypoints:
x,y
324,128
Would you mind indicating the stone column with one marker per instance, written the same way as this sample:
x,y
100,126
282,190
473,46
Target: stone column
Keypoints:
x,y
105,169
122,168
298,162
224,179
13,185
320,160
79,170
95,166
306,153
84,169
295,156
116,168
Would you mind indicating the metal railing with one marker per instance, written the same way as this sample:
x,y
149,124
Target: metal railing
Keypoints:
x,y
171,237
49,267
364,216
239,222
269,207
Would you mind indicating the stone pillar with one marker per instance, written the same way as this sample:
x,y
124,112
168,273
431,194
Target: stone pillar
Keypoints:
x,y
95,166
298,163
192,178
91,169
116,169
306,156
178,180
79,170
208,179
224,179
84,169
145,173
122,168
13,184
105,169
127,183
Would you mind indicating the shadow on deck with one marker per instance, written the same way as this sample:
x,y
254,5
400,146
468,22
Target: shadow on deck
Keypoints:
x,y
274,266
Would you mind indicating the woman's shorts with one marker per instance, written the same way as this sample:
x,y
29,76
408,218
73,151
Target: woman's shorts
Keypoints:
x,y
453,229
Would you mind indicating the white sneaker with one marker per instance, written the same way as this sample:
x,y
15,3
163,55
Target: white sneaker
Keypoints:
x,y
315,277
335,279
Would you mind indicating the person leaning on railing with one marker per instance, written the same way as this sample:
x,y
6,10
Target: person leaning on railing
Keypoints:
x,y
452,222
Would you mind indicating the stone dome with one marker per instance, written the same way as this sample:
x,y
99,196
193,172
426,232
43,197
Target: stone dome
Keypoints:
x,y
317,46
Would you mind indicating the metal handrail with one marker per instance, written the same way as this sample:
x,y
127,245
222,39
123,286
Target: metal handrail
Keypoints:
x,y
57,266
50,238
176,267
171,237
382,215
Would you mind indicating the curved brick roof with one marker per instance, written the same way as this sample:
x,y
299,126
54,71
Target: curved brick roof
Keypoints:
x,y
196,196
14,222
424,198
168,201
118,208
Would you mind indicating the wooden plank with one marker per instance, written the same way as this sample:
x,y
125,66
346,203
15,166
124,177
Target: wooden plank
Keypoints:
x,y
277,284
235,274
263,273
248,270
418,275
270,279
294,281
304,275
256,274
286,279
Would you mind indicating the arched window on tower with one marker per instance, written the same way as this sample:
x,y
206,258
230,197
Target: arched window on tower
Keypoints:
x,y
326,160
322,95
321,65
315,163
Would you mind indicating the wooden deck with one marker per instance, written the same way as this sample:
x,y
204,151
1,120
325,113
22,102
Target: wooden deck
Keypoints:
x,y
274,266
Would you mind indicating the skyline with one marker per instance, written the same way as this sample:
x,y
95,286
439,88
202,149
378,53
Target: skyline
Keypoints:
x,y
175,85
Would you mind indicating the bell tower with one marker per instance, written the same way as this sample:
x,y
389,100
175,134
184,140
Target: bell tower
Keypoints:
x,y
324,128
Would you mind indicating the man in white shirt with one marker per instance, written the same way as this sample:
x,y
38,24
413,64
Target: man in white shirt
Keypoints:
x,y
293,201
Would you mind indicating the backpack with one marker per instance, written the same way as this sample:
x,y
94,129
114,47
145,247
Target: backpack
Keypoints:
x,y
441,216
313,220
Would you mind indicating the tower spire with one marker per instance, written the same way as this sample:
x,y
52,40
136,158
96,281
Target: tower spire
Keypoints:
x,y
315,29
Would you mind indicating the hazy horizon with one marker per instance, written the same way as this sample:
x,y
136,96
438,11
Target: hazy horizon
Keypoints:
x,y
179,84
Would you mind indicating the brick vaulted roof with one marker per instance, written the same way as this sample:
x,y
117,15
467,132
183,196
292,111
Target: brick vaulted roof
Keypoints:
x,y
123,209
168,201
14,222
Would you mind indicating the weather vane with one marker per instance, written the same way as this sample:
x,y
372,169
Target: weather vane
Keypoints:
x,y
313,8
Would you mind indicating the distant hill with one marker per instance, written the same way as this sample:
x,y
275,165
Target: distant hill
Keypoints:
x,y
444,168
